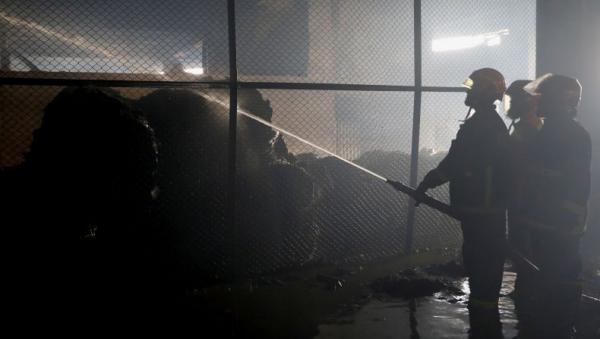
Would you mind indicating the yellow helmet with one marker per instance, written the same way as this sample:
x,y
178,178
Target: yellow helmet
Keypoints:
x,y
486,82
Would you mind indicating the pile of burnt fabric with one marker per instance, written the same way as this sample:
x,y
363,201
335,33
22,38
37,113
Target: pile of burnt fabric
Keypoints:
x,y
359,217
273,196
451,269
81,234
414,284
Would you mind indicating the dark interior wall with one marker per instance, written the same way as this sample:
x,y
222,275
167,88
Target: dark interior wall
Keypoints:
x,y
568,34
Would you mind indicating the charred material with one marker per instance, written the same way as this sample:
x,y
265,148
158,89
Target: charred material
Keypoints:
x,y
273,197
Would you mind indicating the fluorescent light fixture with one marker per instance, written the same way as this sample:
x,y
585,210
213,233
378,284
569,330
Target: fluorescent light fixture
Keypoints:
x,y
468,41
194,70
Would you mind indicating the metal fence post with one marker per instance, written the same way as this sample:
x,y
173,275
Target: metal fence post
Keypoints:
x,y
4,52
414,156
232,147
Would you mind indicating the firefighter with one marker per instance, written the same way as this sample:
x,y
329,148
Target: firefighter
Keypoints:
x,y
521,108
476,167
557,211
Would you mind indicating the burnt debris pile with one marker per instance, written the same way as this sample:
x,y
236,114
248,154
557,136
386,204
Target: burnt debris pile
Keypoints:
x,y
416,283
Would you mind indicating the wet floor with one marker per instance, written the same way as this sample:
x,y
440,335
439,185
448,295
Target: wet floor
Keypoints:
x,y
361,303
439,316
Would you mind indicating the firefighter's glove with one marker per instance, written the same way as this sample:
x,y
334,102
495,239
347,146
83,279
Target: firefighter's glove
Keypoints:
x,y
419,195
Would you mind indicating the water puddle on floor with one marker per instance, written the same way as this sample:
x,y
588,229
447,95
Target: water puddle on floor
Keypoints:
x,y
439,316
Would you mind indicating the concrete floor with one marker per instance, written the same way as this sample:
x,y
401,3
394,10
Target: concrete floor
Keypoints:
x,y
440,316
313,304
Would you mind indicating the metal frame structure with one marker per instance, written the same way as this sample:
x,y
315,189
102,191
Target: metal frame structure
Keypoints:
x,y
416,129
233,84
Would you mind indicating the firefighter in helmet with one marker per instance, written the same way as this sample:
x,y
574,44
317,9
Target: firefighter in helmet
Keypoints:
x,y
476,167
521,107
557,211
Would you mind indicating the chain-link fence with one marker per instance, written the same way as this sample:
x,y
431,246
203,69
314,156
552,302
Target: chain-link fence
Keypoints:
x,y
329,74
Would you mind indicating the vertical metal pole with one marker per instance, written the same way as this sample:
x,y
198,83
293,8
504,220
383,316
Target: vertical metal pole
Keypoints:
x,y
334,6
232,147
538,41
414,158
4,53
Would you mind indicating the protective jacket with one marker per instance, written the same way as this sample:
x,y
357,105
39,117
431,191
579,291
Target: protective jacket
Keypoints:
x,y
477,166
560,177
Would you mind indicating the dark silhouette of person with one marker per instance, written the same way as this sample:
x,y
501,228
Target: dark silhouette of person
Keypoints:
x,y
83,208
477,168
521,108
557,204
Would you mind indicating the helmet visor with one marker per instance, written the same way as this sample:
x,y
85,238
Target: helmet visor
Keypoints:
x,y
468,83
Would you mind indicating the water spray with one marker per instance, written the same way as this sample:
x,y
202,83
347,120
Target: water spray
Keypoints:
x,y
424,199
295,136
